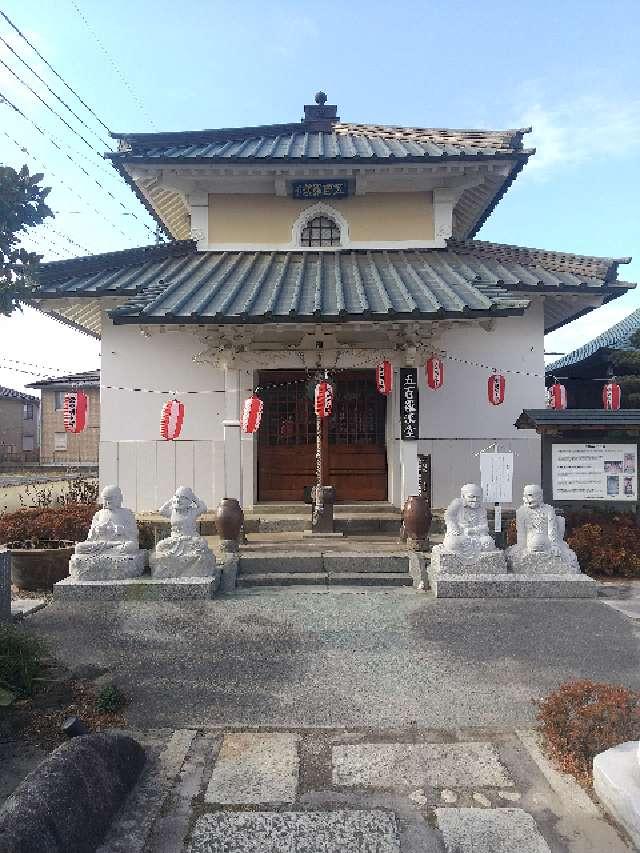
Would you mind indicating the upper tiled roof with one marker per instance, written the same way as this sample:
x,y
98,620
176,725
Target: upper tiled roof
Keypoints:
x,y
86,378
617,337
10,394
569,418
340,141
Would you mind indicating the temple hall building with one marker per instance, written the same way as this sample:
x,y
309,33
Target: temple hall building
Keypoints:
x,y
312,246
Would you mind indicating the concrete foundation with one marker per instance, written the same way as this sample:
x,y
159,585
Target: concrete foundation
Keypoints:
x,y
512,586
137,589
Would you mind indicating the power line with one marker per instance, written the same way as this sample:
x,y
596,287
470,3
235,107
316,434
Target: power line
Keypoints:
x,y
35,364
59,147
53,70
50,108
63,183
113,63
57,97
68,239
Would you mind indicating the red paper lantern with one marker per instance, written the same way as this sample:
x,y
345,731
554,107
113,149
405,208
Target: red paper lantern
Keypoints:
x,y
435,373
384,377
252,414
324,399
171,420
611,396
75,411
495,389
557,398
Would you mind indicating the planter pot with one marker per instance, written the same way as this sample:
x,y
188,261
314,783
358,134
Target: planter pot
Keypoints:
x,y
38,565
229,519
416,516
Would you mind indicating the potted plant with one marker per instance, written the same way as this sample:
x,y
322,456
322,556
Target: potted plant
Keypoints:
x,y
41,541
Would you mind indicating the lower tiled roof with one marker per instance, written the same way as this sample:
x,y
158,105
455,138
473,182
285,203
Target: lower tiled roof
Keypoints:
x,y
175,283
86,378
20,396
617,337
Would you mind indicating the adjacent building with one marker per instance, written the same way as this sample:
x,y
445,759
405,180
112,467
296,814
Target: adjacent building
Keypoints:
x,y
316,248
58,447
19,426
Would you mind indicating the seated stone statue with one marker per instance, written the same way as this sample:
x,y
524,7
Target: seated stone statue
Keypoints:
x,y
184,553
111,550
468,545
540,546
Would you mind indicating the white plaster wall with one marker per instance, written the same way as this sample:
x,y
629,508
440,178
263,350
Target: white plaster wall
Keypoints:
x,y
161,362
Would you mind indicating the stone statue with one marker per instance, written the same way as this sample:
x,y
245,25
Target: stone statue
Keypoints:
x,y
468,546
540,546
184,553
111,551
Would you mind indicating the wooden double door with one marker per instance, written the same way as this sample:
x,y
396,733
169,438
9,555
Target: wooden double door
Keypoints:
x,y
353,437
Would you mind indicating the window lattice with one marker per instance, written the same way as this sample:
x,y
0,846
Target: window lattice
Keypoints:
x,y
320,231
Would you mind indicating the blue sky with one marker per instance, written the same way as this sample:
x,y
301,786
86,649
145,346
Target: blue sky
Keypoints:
x,y
571,69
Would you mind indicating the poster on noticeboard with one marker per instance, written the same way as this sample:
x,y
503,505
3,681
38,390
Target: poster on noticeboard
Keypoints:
x,y
595,472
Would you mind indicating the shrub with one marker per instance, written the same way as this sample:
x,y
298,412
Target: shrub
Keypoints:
x,y
110,699
20,663
582,718
45,523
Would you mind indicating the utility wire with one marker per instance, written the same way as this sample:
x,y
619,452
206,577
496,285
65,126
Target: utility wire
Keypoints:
x,y
35,364
51,109
59,147
53,70
68,239
57,97
63,183
113,63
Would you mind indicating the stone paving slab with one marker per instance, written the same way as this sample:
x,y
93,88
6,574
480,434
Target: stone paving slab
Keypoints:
x,y
359,831
24,606
441,765
255,768
490,831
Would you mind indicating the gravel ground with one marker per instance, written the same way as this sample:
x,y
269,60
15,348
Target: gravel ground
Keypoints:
x,y
301,657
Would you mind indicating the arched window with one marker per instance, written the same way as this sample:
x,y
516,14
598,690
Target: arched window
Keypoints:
x,y
320,231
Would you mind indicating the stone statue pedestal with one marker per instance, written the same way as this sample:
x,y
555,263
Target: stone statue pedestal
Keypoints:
x,y
182,557
541,562
481,563
104,567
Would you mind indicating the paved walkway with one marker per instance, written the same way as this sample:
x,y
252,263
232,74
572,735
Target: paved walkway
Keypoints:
x,y
330,791
293,657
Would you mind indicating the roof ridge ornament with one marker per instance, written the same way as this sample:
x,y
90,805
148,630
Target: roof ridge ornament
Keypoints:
x,y
321,115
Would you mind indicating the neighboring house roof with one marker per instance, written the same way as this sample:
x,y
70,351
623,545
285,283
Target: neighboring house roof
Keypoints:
x,y
175,283
339,141
10,394
617,337
540,419
86,378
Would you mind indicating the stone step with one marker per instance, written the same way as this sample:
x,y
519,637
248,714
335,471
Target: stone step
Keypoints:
x,y
324,579
513,586
300,508
353,524
306,562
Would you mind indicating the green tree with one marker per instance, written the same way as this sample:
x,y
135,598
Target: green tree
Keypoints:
x,y
22,206
626,366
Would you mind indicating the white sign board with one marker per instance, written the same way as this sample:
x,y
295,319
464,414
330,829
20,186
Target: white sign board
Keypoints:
x,y
496,477
595,472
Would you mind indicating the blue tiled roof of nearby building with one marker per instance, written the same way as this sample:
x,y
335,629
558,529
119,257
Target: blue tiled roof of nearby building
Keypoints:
x,y
175,283
85,379
301,142
617,337
20,396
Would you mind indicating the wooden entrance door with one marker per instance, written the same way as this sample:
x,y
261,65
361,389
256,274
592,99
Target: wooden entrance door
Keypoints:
x,y
354,437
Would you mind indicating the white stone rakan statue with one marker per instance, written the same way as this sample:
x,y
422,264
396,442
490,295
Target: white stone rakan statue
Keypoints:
x,y
183,554
540,546
111,551
468,546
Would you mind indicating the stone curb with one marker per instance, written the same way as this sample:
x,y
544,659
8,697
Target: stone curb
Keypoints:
x,y
67,803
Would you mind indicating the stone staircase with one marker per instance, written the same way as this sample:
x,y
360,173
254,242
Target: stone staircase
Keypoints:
x,y
361,518
324,568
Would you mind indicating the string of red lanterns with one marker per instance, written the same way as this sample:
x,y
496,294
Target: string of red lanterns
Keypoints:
x,y
323,399
252,409
557,397
495,389
611,396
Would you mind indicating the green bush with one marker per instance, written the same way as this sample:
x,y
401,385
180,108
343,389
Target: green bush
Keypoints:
x,y
20,663
110,699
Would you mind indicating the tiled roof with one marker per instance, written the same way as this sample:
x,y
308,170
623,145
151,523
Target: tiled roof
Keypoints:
x,y
568,418
175,283
340,141
10,394
617,337
86,378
